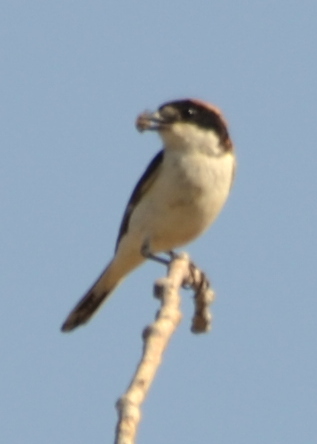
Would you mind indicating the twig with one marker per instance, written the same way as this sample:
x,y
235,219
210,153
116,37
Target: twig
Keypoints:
x,y
181,272
204,296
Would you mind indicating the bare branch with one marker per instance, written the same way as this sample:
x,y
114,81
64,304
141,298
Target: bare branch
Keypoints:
x,y
181,272
204,296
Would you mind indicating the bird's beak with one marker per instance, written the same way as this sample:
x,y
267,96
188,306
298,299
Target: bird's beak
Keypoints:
x,y
150,121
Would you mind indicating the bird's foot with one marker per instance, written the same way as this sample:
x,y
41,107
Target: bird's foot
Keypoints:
x,y
147,253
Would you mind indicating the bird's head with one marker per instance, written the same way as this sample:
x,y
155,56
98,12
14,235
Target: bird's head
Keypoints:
x,y
188,124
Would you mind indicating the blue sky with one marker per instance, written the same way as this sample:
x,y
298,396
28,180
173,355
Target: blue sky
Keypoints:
x,y
74,75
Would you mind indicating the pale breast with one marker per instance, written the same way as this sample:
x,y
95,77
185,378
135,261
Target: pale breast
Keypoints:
x,y
184,200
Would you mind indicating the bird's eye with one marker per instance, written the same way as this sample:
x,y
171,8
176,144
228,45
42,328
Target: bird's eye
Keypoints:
x,y
189,112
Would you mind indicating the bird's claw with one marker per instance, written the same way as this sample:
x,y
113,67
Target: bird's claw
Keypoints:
x,y
147,253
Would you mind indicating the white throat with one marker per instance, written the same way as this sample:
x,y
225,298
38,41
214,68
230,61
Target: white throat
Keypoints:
x,y
189,138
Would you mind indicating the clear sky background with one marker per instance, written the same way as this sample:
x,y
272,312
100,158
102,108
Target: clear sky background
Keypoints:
x,y
74,75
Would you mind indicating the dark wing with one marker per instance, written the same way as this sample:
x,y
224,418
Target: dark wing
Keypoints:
x,y
140,189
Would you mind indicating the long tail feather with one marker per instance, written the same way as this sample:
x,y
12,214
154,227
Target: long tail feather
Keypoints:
x,y
85,309
95,296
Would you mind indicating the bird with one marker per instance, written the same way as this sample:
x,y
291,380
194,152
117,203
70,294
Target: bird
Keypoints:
x,y
177,198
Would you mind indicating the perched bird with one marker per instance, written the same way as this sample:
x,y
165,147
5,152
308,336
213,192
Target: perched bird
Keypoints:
x,y
177,198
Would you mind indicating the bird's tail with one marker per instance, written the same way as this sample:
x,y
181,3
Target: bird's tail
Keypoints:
x,y
93,299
